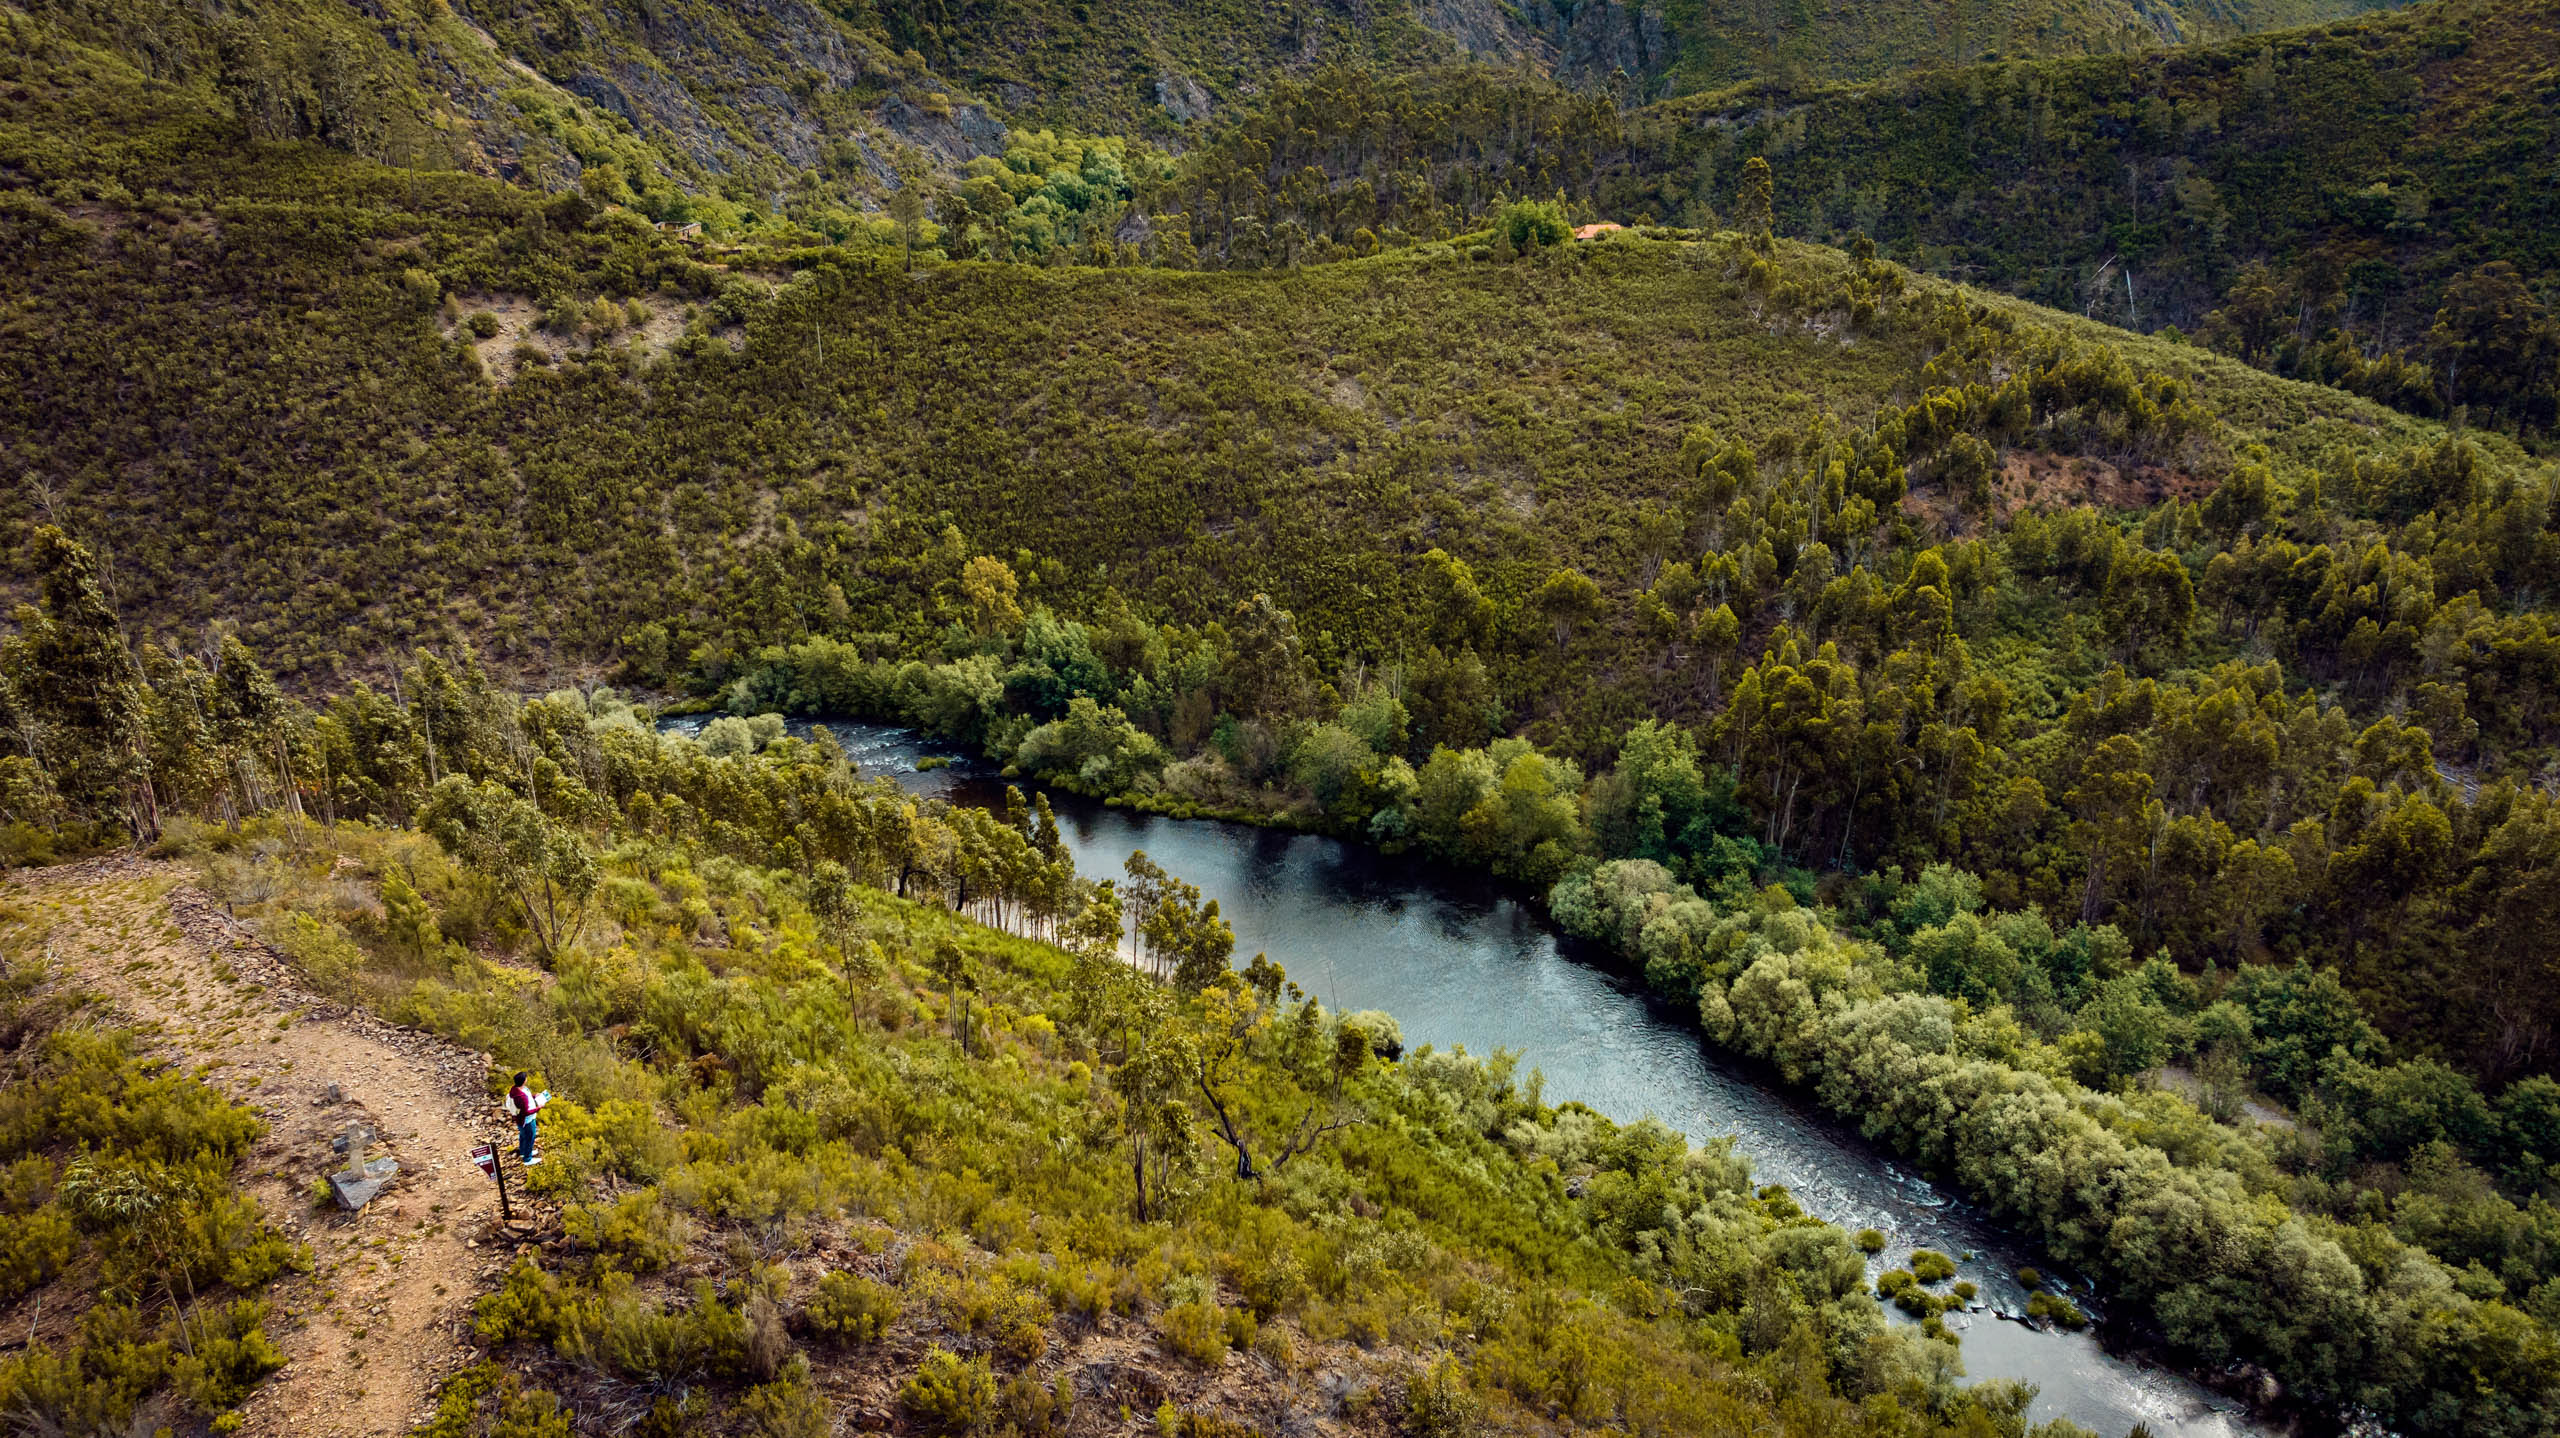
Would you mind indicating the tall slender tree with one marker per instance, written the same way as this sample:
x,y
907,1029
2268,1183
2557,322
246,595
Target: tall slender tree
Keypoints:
x,y
81,691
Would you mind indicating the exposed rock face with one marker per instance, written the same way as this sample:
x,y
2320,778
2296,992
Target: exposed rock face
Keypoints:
x,y
719,89
1484,30
658,107
723,85
1182,97
957,135
2162,19
1601,40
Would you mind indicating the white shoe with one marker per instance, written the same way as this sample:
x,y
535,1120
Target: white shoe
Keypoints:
x,y
537,1158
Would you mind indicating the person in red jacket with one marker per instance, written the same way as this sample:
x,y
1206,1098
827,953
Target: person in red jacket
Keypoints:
x,y
522,1104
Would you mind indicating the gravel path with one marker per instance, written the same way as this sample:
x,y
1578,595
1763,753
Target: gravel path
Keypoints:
x,y
383,1316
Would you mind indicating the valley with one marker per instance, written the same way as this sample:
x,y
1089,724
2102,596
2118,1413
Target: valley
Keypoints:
x,y
1223,720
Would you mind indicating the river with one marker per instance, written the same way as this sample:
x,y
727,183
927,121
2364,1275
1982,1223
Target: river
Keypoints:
x,y
1461,961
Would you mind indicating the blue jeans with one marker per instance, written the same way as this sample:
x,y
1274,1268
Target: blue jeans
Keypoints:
x,y
524,1137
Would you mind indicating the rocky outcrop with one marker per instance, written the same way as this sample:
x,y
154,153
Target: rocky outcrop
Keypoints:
x,y
1184,98
726,85
659,108
1485,30
1600,41
952,133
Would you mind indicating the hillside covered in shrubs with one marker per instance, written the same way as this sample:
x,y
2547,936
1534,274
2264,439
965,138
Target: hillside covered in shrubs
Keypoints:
x,y
2121,778
860,1110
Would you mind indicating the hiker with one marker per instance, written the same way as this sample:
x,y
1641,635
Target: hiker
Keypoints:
x,y
522,1104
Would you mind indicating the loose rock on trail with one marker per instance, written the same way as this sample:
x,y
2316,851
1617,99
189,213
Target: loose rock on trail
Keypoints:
x,y
384,1313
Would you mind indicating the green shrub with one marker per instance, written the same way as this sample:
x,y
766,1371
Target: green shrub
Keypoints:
x,y
95,1385
482,324
489,1402
1384,1035
228,1354
236,1246
1033,1409
538,1414
1891,1283
1272,1278
327,956
2057,1308
623,1137
643,1339
993,1304
531,1306
1440,1404
1931,1267
948,1394
637,1231
1202,1331
1870,1241
1532,224
33,1248
789,1408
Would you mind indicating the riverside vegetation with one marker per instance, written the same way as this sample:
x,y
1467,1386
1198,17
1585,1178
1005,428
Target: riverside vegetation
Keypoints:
x,y
2060,748
856,1091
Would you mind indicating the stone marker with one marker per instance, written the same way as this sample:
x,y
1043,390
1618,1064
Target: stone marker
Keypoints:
x,y
360,1180
357,1185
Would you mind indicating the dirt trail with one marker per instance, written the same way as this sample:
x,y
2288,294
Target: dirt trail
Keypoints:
x,y
383,1315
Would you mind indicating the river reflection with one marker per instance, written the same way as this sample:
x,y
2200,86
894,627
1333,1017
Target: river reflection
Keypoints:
x,y
1460,962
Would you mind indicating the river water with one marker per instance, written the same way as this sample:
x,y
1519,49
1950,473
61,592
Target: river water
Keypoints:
x,y
1460,961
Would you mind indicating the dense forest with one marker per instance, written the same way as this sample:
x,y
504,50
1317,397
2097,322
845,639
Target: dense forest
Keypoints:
x,y
2118,771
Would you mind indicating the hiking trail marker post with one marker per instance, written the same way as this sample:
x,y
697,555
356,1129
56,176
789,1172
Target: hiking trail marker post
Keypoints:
x,y
486,1155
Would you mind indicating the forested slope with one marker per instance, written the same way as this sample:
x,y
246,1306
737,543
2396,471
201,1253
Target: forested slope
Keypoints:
x,y
827,109
833,1137
277,337
2311,199
2038,738
2114,185
1716,43
1181,436
2365,204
